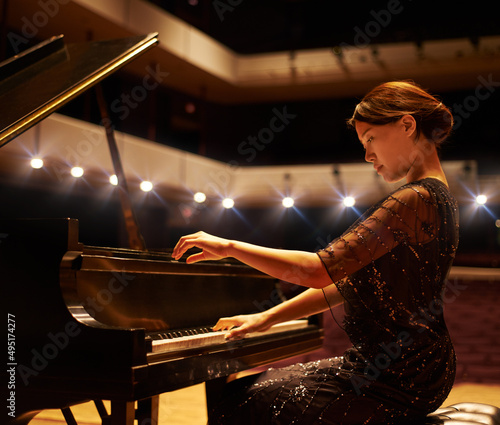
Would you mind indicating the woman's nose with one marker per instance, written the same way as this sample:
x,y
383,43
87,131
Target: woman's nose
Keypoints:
x,y
369,155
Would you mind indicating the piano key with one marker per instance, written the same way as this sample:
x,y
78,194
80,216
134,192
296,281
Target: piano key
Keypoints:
x,y
210,337
190,341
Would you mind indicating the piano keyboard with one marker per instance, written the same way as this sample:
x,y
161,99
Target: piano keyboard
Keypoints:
x,y
197,338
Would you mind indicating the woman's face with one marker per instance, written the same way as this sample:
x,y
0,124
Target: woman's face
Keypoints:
x,y
389,147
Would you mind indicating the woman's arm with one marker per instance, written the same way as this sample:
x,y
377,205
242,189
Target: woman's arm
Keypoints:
x,y
309,302
299,267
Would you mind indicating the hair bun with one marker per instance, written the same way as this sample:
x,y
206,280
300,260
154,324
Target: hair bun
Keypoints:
x,y
389,101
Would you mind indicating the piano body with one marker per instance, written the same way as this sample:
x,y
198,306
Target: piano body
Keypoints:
x,y
96,323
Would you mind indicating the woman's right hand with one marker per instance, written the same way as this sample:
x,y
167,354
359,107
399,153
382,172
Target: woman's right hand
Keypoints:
x,y
213,248
240,325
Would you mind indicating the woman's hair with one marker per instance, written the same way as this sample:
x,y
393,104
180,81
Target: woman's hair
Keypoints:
x,y
388,102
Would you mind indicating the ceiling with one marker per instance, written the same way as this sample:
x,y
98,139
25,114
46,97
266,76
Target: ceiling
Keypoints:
x,y
259,26
262,54
236,52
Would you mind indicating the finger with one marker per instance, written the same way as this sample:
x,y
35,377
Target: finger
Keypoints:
x,y
223,326
182,246
200,256
226,323
237,333
187,242
178,249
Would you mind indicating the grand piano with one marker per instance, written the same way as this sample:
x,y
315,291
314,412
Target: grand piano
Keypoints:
x,y
119,324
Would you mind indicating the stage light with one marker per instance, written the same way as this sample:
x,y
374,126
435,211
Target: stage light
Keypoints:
x,y
228,203
287,202
481,199
77,172
349,201
37,163
146,186
200,197
113,180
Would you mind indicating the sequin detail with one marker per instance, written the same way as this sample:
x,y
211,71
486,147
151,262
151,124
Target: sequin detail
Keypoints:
x,y
390,267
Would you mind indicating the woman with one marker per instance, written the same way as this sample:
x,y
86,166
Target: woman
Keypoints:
x,y
389,270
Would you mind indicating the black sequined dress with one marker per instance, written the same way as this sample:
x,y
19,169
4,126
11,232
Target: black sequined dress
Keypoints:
x,y
390,267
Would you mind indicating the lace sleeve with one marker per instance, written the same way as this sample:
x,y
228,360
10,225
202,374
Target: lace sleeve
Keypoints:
x,y
406,216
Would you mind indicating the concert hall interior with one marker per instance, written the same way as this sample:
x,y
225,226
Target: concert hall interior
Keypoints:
x,y
235,124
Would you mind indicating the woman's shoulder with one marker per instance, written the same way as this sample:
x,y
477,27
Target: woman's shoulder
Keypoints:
x,y
419,196
428,200
428,189
409,194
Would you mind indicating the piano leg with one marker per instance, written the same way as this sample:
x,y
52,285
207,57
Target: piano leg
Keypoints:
x,y
122,412
103,413
68,416
147,411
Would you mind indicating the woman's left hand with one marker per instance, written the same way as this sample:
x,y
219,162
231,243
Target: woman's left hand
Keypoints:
x,y
239,326
213,248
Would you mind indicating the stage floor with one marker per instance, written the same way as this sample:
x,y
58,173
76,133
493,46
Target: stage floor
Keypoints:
x,y
187,406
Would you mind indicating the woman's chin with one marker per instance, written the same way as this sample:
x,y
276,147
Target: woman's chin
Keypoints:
x,y
391,178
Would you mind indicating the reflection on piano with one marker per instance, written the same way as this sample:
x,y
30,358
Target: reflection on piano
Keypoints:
x,y
91,322
125,325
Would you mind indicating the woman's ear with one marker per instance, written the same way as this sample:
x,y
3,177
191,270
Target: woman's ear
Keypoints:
x,y
409,124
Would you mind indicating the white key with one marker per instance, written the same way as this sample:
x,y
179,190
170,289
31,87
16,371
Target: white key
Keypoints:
x,y
218,337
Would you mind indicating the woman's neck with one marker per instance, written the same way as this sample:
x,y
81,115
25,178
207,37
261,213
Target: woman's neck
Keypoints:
x,y
428,166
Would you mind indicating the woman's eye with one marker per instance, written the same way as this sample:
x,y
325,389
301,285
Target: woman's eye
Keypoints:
x,y
367,141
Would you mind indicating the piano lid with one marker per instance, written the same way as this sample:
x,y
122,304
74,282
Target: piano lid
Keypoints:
x,y
38,81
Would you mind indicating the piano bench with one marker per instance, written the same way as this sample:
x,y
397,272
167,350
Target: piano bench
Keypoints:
x,y
465,414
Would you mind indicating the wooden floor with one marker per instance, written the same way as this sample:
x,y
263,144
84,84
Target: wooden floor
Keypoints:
x,y
187,406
